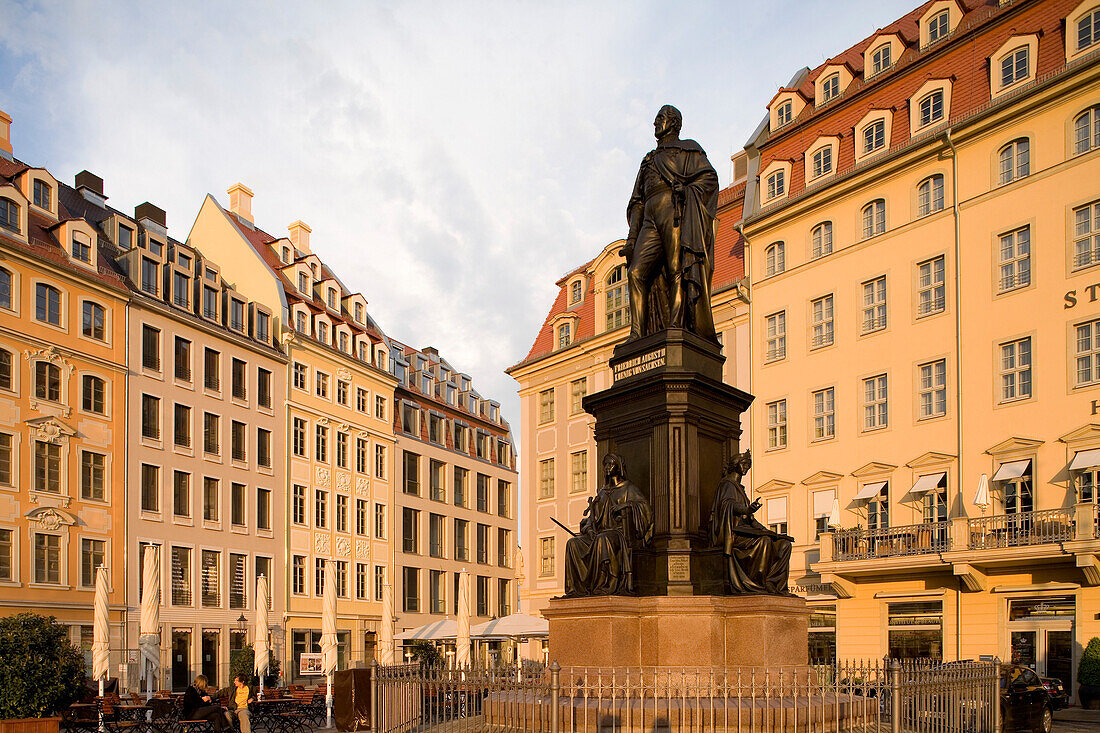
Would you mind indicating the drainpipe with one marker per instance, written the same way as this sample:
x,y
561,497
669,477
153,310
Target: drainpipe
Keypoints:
x,y
958,364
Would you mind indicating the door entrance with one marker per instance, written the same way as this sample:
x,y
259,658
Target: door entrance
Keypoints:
x,y
210,642
1041,632
181,659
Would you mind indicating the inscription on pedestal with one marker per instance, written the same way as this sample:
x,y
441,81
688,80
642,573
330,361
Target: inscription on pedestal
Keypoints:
x,y
640,364
679,568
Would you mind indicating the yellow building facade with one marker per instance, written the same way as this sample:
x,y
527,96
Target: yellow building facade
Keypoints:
x,y
922,251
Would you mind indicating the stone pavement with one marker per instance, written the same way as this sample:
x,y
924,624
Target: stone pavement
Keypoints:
x,y
1076,720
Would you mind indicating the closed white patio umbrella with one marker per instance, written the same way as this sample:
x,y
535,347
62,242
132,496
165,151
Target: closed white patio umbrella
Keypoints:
x,y
385,640
259,646
328,637
149,633
462,637
101,634
981,498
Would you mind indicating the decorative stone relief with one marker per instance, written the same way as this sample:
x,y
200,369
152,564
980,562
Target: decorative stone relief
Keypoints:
x,y
343,481
322,476
362,487
51,518
321,543
343,374
49,430
343,546
362,549
52,355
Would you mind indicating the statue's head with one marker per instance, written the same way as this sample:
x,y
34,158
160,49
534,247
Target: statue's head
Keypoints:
x,y
668,120
738,462
613,465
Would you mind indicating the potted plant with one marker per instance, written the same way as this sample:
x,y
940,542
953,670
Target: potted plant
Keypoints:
x,y
41,673
1088,676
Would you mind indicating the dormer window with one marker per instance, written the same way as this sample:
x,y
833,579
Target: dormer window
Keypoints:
x,y
82,246
125,237
156,247
830,88
1088,30
236,314
939,26
313,266
9,214
359,312
343,339
931,108
303,282
322,332
881,59
211,274
1014,66
575,292
262,326
332,298
874,136
149,275
563,335
181,284
784,113
776,184
301,325
286,255
823,161
209,302
42,194
183,260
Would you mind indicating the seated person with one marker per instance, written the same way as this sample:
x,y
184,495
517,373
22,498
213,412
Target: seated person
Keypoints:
x,y
239,695
199,705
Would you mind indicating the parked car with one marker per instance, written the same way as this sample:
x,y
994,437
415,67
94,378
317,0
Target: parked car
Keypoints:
x,y
1025,702
1059,697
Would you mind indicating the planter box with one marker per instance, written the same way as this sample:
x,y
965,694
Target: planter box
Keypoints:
x,y
30,725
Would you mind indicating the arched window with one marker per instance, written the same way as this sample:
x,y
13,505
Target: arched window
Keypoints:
x,y
775,259
47,304
94,323
93,394
1015,160
616,300
822,239
5,288
822,162
776,184
1088,29
938,27
930,195
874,218
300,323
1086,130
931,108
784,113
830,88
47,381
575,292
563,335
9,214
7,370
322,332
881,59
42,194
874,136
343,338
1014,66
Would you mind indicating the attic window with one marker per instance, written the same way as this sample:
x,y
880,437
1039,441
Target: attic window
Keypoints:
x,y
286,255
359,312
9,215
125,237
881,59
332,298
82,247
784,113
563,335
303,282
156,247
42,194
830,88
575,292
1014,67
183,260
939,26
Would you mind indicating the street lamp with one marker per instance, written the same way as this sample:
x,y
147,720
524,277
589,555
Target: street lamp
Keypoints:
x,y
242,624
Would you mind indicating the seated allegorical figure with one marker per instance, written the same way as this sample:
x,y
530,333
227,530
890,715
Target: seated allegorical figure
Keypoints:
x,y
758,559
598,559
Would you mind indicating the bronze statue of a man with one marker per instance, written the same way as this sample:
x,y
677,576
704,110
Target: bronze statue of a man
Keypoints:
x,y
598,560
757,559
670,247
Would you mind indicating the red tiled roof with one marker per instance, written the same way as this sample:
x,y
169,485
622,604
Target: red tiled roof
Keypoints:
x,y
963,57
729,267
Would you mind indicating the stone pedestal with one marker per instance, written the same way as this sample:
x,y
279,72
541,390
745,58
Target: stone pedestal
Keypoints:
x,y
677,631
674,422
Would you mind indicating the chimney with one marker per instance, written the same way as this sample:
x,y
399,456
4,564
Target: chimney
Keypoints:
x,y
91,187
240,201
5,135
299,236
153,213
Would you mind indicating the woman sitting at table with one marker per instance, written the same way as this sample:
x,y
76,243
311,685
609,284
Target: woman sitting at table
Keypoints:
x,y
199,705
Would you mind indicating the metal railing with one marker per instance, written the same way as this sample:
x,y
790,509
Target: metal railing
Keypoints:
x,y
883,697
1021,529
913,539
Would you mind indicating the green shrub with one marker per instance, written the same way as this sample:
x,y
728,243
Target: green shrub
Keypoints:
x,y
243,660
1088,673
426,654
40,671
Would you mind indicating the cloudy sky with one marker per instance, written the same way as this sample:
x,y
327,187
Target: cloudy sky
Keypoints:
x,y
453,158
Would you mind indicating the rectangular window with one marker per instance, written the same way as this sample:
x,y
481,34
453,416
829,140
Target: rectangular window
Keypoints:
x,y
1087,359
915,630
437,490
436,591
181,576
239,378
1015,259
824,414
875,412
263,509
462,545
379,582
577,391
320,444
341,513
92,554
236,504
1086,233
318,576
341,578
210,433
7,555
546,406
460,475
263,387
361,446
94,324
578,482
822,322
211,369
546,478
933,389
930,287
298,438
878,509
410,530
482,595
341,450
181,494
47,558
150,488
47,467
361,581
546,557
93,397
504,498
92,472
361,398
209,302
5,459
874,304
410,419
411,473
236,314
482,493
342,391
210,499
380,407
261,326
237,579
298,504
361,519
380,461
435,535
504,547
823,161
150,417
320,508
181,426
321,385
182,356
435,428
411,578
299,375
482,544
380,521
1016,370
298,575
775,334
263,447
1014,67
777,424
149,272
237,441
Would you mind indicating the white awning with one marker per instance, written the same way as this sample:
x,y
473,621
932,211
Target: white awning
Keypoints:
x,y
514,626
823,503
925,484
1012,469
777,509
436,630
870,491
1085,459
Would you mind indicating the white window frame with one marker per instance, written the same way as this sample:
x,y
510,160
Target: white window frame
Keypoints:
x,y
777,424
876,402
874,304
932,389
775,336
824,407
1014,259
1015,369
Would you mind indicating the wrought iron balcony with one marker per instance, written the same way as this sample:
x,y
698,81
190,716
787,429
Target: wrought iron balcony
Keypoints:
x,y
914,539
1022,529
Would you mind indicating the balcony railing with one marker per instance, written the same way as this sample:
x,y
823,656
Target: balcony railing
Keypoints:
x,y
1021,529
913,539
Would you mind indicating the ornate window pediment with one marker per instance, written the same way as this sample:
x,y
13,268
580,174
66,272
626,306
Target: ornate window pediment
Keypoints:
x,y
873,468
1085,433
931,458
49,429
51,518
1013,445
822,477
774,485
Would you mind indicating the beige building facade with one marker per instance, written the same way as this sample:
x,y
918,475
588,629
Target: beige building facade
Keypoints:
x,y
922,250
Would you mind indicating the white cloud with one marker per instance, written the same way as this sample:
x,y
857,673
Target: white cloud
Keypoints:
x,y
452,158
